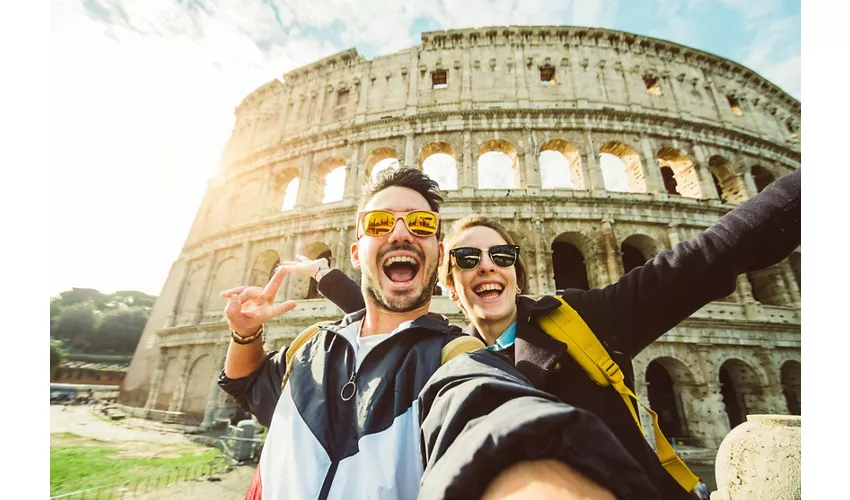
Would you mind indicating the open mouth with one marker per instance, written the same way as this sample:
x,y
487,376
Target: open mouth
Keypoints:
x,y
401,268
489,291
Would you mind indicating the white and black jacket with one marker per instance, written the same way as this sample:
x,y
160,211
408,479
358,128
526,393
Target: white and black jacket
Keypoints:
x,y
452,428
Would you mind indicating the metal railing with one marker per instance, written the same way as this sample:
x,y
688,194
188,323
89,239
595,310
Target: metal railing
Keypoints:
x,y
153,482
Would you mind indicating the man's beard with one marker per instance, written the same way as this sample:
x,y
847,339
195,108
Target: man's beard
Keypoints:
x,y
395,303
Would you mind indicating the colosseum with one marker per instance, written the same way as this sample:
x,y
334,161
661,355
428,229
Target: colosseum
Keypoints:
x,y
596,148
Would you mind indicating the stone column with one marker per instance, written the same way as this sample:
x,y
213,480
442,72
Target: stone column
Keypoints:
x,y
264,196
749,183
202,300
183,381
287,253
650,167
412,84
466,81
410,160
520,83
305,180
591,170
545,282
341,253
362,87
156,379
773,399
745,295
532,161
790,283
469,172
245,268
712,421
709,190
613,259
352,175
213,396
673,234
175,308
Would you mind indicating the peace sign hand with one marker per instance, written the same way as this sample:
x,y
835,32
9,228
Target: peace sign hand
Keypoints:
x,y
248,307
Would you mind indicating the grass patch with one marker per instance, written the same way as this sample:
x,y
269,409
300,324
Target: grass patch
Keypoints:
x,y
74,468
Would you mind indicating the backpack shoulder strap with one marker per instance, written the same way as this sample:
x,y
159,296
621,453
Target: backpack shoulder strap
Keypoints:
x,y
460,345
566,325
298,343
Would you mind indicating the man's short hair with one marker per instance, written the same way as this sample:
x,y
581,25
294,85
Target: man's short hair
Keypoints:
x,y
406,177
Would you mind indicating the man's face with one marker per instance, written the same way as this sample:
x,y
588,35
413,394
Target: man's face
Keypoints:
x,y
390,280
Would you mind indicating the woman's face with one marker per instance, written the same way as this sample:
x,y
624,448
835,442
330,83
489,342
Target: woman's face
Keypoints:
x,y
487,292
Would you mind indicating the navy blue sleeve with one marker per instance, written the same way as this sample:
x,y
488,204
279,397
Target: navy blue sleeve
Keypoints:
x,y
343,291
480,416
651,299
259,392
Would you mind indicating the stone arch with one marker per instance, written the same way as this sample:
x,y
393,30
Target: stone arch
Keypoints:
x,y
762,177
637,249
313,251
284,190
768,287
198,386
498,167
193,290
730,187
790,377
382,158
328,181
685,180
794,260
571,254
263,268
247,202
439,161
631,165
567,165
225,277
219,210
168,383
667,378
742,390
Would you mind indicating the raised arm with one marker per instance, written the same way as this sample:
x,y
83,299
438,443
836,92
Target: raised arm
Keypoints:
x,y
649,300
334,284
250,375
481,420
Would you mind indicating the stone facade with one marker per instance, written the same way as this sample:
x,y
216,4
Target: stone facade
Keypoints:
x,y
696,135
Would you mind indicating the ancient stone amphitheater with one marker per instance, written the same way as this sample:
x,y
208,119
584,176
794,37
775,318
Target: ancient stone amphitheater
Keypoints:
x,y
597,149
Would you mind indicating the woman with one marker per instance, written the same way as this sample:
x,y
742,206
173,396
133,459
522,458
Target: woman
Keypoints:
x,y
485,274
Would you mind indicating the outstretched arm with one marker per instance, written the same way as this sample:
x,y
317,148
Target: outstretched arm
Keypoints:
x,y
484,427
250,375
334,284
649,300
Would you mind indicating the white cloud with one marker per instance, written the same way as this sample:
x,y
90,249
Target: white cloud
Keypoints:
x,y
596,13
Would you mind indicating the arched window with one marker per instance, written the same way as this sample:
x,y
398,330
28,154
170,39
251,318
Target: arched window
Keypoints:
x,y
560,165
761,177
497,166
679,173
290,195
621,168
386,163
439,162
334,185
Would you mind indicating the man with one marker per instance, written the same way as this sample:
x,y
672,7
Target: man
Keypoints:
x,y
366,409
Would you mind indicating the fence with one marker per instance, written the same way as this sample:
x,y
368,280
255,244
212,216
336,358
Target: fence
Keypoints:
x,y
132,489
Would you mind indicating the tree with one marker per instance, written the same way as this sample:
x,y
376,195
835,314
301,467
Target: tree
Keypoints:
x,y
120,330
56,354
75,324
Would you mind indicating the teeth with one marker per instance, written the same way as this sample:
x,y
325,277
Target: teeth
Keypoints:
x,y
487,287
400,259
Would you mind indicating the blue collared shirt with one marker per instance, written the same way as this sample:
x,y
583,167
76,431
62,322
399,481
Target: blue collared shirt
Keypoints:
x,y
506,339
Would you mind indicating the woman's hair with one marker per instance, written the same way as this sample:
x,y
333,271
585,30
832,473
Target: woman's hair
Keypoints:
x,y
457,230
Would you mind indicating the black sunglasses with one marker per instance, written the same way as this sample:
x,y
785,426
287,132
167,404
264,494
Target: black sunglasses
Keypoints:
x,y
468,258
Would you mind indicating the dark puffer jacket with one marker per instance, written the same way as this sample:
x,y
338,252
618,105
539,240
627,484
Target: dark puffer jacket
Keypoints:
x,y
635,311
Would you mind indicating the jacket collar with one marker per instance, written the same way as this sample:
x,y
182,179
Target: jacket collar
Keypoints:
x,y
430,321
535,353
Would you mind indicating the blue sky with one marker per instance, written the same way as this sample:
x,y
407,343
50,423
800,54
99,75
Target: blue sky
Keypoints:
x,y
142,95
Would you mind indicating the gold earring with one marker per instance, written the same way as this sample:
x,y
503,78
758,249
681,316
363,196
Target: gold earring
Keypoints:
x,y
518,290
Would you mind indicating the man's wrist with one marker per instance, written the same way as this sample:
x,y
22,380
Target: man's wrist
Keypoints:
x,y
321,273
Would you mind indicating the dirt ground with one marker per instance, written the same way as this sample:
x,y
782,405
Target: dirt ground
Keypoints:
x,y
135,440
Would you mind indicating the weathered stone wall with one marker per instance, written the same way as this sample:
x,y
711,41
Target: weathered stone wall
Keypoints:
x,y
653,104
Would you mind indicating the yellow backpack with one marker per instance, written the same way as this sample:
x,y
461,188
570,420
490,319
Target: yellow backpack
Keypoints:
x,y
565,325
457,346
